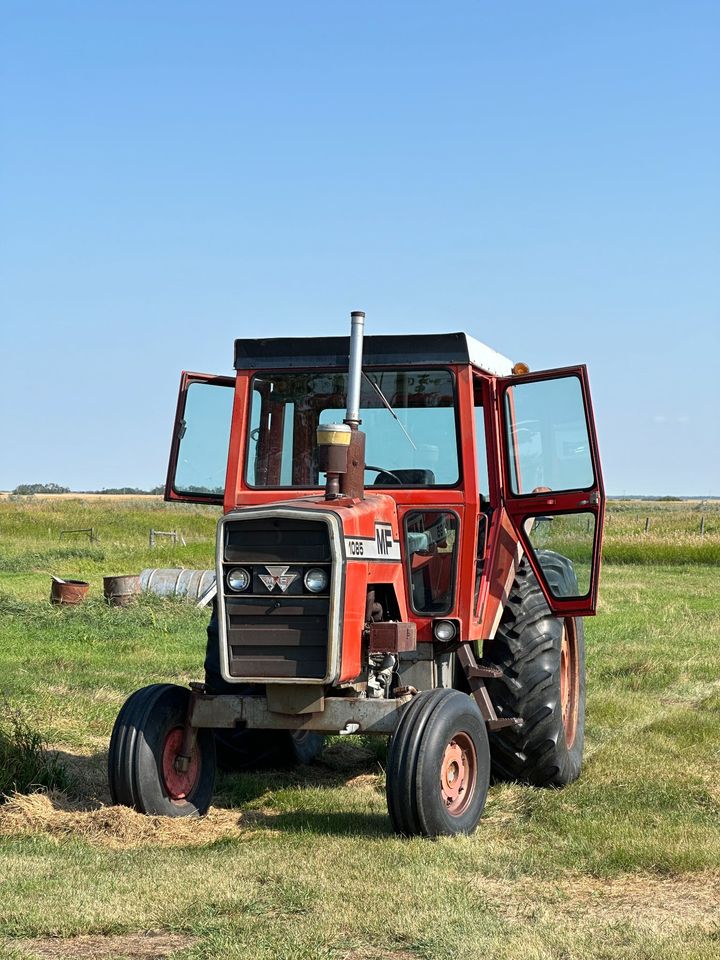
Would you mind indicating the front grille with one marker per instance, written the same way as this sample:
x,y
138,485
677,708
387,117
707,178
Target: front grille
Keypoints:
x,y
277,630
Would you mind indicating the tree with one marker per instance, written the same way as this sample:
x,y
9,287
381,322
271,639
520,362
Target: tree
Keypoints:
x,y
26,489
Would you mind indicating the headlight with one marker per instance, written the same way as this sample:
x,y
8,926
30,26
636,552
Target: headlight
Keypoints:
x,y
238,579
316,580
444,630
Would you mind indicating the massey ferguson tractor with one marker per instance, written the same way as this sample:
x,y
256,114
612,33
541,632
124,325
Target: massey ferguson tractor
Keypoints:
x,y
411,537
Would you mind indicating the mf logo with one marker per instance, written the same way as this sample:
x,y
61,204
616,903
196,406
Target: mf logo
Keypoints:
x,y
383,539
278,577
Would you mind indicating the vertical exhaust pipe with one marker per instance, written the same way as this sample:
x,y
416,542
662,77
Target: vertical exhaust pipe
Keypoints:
x,y
352,483
341,446
357,330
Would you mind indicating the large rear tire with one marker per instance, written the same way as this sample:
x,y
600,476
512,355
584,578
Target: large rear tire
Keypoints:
x,y
145,742
543,662
438,766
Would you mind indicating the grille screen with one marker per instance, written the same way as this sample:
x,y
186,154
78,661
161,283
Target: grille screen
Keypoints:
x,y
274,632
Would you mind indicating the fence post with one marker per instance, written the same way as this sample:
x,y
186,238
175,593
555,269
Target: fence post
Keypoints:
x,y
702,525
647,524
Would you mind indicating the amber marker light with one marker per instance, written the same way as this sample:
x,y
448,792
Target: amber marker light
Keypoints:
x,y
520,368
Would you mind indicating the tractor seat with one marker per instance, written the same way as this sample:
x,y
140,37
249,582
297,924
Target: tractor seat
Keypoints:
x,y
411,477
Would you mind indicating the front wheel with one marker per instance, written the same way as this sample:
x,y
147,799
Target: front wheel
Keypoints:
x,y
145,742
438,766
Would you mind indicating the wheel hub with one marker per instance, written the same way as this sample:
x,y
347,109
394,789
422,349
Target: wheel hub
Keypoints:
x,y
179,783
458,774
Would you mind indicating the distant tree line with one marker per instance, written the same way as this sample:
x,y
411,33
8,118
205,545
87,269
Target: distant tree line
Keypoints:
x,y
27,489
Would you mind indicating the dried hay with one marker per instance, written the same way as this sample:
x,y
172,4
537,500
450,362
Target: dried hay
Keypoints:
x,y
55,815
367,781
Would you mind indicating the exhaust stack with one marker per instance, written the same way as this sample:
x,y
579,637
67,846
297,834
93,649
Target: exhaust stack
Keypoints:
x,y
341,446
352,483
357,330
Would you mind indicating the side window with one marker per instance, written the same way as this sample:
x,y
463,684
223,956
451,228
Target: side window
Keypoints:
x,y
564,535
431,540
202,438
480,441
547,436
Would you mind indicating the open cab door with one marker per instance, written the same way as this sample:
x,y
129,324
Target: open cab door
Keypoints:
x,y
200,441
554,493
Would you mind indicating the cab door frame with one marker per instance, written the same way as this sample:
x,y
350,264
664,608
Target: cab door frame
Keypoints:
x,y
544,502
187,379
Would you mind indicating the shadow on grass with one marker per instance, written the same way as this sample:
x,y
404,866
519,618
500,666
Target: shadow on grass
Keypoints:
x,y
340,823
340,764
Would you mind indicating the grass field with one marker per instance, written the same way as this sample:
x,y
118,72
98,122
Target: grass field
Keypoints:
x,y
624,864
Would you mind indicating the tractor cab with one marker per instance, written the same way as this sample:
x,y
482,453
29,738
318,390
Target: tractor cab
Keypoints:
x,y
385,501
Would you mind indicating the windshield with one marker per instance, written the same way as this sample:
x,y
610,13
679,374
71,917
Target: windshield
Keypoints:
x,y
412,444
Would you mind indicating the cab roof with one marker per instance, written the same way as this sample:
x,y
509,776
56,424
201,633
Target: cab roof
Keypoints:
x,y
397,350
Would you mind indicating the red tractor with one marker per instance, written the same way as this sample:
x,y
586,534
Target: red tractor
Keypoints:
x,y
431,591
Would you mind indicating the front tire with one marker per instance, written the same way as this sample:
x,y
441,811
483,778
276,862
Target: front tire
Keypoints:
x,y
145,741
438,766
543,662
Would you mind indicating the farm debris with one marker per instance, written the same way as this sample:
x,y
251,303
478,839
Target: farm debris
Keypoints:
x,y
68,592
178,582
121,591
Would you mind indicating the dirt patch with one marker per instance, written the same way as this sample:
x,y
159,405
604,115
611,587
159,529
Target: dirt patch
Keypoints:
x,y
660,904
133,946
120,827
377,953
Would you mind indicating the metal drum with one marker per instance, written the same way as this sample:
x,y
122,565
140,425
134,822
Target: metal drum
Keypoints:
x,y
191,584
68,591
121,591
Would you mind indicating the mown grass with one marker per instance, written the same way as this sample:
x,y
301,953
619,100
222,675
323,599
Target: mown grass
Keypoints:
x,y
624,864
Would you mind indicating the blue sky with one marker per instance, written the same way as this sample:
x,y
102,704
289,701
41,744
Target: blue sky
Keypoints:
x,y
544,175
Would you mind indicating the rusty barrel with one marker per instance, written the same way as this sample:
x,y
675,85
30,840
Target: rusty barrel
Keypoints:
x,y
69,591
170,582
121,591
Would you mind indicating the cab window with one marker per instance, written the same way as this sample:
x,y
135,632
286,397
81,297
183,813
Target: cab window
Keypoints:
x,y
431,541
408,417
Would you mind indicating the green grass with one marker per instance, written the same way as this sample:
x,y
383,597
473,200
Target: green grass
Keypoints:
x,y
25,761
623,864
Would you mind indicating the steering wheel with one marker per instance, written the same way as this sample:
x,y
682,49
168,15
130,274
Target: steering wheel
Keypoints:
x,y
389,473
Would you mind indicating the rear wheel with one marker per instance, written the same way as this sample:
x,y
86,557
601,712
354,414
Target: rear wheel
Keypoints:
x,y
146,740
438,766
543,662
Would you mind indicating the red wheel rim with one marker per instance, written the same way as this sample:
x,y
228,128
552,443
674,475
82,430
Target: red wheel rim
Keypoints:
x,y
178,785
569,680
458,774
